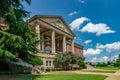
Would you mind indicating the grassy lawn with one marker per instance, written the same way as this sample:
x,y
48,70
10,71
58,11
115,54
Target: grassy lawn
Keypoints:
x,y
99,71
108,68
64,77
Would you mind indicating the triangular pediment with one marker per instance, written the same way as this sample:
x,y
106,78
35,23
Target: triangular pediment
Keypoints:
x,y
58,22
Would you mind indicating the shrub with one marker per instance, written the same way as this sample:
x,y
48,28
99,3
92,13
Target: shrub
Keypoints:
x,y
48,69
53,69
63,60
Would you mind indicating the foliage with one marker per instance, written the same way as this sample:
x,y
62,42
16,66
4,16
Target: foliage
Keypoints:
x,y
101,64
19,39
19,11
53,69
108,63
64,60
118,62
33,60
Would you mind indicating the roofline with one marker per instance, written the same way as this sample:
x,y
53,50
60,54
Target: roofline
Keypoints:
x,y
37,16
79,45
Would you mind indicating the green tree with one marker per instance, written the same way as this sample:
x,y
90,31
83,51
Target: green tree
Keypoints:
x,y
64,60
118,62
19,39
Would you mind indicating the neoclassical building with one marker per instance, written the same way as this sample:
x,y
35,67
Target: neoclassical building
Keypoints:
x,y
56,35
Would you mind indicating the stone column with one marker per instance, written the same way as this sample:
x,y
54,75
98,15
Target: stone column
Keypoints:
x,y
37,29
53,41
64,43
72,46
43,44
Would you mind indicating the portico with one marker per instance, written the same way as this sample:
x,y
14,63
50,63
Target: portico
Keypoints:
x,y
55,34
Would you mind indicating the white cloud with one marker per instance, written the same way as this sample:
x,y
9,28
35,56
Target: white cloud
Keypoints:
x,y
91,51
81,1
76,24
87,41
100,46
99,29
104,59
100,59
72,13
94,59
109,47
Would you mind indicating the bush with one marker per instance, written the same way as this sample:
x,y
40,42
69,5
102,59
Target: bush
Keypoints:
x,y
53,69
63,60
48,69
59,69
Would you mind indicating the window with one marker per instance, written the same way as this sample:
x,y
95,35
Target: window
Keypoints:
x,y
48,63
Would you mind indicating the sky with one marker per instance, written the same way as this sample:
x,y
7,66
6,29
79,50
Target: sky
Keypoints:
x,y
96,24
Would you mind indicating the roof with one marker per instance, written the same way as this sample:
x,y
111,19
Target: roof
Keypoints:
x,y
76,44
51,16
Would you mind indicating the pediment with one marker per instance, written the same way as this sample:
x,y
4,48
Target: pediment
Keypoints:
x,y
58,22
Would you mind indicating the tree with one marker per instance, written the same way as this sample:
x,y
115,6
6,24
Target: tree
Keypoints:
x,y
101,64
64,60
19,39
19,10
118,62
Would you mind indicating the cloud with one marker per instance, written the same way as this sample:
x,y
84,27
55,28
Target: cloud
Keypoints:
x,y
100,59
72,13
109,47
81,1
99,29
91,51
87,41
104,59
100,46
76,24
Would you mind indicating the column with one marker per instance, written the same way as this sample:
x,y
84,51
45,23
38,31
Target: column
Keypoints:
x,y
43,44
64,43
37,29
72,46
53,41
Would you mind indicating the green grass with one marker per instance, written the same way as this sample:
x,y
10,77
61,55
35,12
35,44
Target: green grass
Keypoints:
x,y
108,68
99,71
64,77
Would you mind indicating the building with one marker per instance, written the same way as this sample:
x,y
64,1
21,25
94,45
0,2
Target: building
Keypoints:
x,y
57,36
3,25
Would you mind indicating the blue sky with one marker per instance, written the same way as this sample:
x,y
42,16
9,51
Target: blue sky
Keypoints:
x,y
94,22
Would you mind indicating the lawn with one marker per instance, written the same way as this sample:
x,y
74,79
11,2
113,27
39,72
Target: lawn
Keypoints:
x,y
100,71
64,77
108,68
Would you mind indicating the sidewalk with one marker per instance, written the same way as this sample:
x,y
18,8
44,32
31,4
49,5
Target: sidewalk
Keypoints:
x,y
115,76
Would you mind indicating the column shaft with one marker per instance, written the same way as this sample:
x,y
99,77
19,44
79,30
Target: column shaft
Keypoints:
x,y
37,29
53,41
43,44
64,44
72,46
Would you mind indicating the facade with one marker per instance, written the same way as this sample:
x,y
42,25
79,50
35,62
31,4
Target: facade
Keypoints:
x,y
56,35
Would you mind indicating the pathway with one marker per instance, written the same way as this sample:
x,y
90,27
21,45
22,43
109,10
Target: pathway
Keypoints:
x,y
115,76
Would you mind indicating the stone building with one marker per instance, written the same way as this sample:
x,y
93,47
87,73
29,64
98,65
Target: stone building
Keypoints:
x,y
57,36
